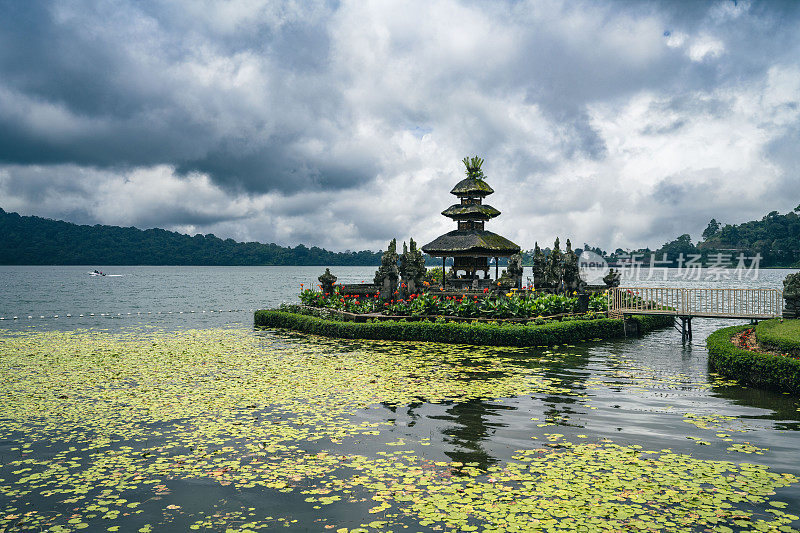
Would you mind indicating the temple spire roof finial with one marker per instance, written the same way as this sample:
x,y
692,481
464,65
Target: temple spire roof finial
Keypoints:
x,y
474,167
474,184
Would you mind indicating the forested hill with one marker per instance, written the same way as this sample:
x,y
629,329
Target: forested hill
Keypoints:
x,y
29,240
775,237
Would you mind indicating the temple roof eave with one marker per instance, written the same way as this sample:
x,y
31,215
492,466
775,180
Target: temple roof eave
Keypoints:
x,y
473,187
476,243
471,212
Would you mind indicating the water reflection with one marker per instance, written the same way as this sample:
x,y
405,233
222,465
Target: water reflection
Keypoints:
x,y
471,424
779,407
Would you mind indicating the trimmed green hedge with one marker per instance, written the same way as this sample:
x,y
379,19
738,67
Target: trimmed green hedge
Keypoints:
x,y
480,334
760,370
780,336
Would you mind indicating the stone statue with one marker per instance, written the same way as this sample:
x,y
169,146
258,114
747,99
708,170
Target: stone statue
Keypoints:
x,y
554,270
612,278
539,268
514,269
387,275
791,296
571,273
412,267
327,280
402,268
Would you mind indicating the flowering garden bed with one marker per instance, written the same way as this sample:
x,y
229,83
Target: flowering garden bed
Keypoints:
x,y
760,369
512,305
517,318
346,316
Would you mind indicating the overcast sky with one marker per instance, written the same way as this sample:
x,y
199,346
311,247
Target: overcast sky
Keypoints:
x,y
343,124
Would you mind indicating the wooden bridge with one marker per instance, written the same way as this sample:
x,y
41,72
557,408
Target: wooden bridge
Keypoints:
x,y
753,304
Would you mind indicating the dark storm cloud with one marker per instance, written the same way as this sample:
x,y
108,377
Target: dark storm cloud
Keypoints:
x,y
295,109
85,59
112,74
674,191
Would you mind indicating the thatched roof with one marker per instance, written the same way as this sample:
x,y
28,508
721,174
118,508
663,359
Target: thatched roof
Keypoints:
x,y
474,243
471,212
472,187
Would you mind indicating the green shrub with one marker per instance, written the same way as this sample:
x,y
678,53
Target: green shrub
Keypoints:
x,y
780,336
760,370
476,333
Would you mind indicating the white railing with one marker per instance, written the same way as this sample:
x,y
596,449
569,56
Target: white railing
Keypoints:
x,y
732,303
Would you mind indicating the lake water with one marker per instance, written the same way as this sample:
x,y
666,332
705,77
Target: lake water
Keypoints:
x,y
230,428
153,295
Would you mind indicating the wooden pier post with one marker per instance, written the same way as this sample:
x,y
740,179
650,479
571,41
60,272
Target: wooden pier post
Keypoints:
x,y
686,328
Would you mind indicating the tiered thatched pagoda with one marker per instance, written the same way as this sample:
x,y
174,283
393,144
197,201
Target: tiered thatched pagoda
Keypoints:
x,y
471,245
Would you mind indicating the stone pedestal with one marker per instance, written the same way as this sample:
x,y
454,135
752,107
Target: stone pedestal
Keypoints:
x,y
327,280
411,286
791,296
583,304
388,287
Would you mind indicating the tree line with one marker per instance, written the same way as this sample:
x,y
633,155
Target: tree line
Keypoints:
x,y
775,238
31,240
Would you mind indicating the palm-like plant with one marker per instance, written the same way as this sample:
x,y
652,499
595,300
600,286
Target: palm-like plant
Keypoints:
x,y
474,167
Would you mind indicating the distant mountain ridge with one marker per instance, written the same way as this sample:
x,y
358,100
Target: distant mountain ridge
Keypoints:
x,y
32,240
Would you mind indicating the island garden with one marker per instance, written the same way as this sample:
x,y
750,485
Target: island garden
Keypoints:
x,y
464,304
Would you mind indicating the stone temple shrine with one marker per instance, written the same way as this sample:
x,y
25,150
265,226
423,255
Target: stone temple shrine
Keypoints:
x,y
471,245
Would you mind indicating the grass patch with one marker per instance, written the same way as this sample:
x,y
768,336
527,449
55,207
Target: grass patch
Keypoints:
x,y
765,371
780,336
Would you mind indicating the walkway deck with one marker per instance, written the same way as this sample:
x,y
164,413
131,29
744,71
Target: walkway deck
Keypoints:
x,y
756,304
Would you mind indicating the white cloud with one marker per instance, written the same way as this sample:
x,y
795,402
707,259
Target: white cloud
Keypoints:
x,y
705,47
676,39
